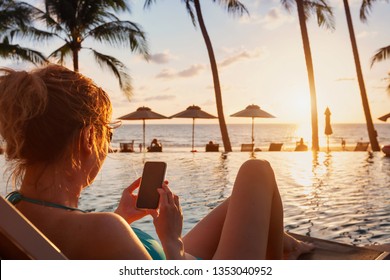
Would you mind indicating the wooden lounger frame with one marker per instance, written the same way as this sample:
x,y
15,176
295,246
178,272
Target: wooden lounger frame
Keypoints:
x,y
20,239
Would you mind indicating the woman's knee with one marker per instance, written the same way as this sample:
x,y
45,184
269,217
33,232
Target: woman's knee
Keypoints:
x,y
257,166
255,172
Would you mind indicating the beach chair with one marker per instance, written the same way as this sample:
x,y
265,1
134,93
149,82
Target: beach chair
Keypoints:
x,y
247,147
361,146
330,250
275,147
212,147
20,239
126,147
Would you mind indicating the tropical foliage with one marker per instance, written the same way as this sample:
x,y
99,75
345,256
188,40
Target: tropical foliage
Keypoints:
x,y
382,53
16,15
75,21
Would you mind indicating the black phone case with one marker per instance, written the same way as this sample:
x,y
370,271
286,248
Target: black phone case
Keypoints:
x,y
152,178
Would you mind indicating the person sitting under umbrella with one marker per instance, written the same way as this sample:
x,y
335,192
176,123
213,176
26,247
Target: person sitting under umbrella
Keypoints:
x,y
155,146
301,146
54,166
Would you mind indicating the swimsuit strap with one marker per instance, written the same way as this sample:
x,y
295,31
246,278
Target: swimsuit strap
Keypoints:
x,y
15,197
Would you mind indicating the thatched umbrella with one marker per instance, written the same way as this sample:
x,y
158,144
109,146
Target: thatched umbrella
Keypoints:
x,y
253,111
193,112
328,127
385,117
143,113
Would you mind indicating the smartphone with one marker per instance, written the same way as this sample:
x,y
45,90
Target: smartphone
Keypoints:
x,y
153,177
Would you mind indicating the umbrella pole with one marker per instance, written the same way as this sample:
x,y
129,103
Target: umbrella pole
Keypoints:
x,y
193,132
253,127
327,141
143,126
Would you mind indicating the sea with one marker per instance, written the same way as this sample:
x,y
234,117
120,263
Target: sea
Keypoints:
x,y
334,194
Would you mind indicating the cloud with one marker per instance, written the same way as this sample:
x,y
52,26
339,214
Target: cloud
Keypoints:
x,y
275,18
160,97
241,55
191,71
345,79
166,74
365,34
161,58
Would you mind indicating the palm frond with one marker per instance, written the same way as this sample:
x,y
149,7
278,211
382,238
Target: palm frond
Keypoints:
x,y
323,12
61,53
17,52
381,54
288,4
14,14
122,33
319,8
148,3
32,33
190,10
117,68
365,9
233,7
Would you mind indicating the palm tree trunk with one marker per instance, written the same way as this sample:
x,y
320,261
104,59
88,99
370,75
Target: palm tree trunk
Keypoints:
x,y
75,60
310,74
372,134
217,86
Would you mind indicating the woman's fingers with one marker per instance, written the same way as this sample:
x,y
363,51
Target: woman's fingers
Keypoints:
x,y
177,202
134,185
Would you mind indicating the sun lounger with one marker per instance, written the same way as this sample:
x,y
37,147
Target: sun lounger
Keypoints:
x,y
247,147
20,239
275,147
330,250
126,147
361,146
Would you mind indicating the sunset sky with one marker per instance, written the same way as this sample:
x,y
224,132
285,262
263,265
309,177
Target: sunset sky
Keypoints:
x,y
260,59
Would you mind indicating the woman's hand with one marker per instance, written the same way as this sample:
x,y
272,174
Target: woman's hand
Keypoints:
x,y
127,205
168,221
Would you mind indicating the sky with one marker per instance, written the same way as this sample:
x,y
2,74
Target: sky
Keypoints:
x,y
260,59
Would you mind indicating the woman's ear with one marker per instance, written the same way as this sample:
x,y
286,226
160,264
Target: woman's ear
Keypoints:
x,y
87,138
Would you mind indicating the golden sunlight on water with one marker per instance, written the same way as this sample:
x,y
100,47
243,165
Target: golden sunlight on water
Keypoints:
x,y
303,130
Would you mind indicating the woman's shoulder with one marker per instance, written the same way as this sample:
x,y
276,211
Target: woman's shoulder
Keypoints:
x,y
106,236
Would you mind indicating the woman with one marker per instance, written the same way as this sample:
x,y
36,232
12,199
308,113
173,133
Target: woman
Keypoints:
x,y
56,126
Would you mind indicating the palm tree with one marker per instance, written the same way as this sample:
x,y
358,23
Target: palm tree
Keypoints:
x,y
75,21
382,53
16,15
235,7
325,18
372,134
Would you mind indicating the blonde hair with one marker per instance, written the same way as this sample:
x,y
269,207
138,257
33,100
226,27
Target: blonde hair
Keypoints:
x,y
43,111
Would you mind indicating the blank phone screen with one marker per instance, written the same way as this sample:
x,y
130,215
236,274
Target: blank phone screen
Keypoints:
x,y
152,178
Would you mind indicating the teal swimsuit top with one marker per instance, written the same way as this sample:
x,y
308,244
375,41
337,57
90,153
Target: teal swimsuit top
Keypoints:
x,y
151,245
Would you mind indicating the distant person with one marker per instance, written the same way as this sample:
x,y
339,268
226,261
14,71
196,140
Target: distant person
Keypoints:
x,y
211,147
301,146
343,143
140,147
52,168
155,146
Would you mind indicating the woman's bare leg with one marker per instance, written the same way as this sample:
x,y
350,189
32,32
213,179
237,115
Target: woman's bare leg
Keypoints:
x,y
249,225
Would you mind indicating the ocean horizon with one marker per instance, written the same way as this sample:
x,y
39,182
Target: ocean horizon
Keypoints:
x,y
179,136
